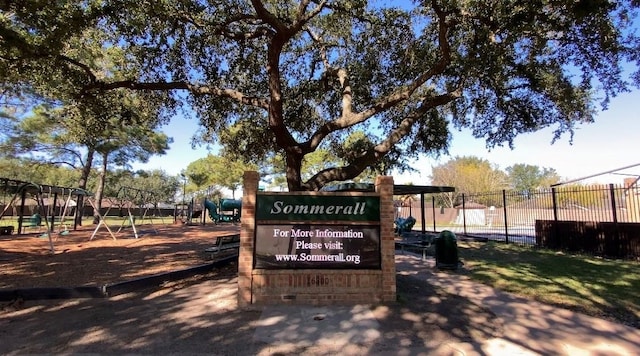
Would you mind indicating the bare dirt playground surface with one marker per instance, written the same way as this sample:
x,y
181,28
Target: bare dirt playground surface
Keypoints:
x,y
26,261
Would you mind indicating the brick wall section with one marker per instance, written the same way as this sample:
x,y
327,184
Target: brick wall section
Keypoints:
x,y
384,187
247,231
316,286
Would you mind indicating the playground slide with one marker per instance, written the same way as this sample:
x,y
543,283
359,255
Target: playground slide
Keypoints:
x,y
227,211
211,208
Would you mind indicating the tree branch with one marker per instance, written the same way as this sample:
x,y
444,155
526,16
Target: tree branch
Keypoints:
x,y
85,68
348,118
380,150
194,89
27,50
268,17
302,19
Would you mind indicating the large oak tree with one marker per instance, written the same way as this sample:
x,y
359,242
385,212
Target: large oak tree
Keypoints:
x,y
297,75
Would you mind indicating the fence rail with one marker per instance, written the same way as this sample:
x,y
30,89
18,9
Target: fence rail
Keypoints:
x,y
511,216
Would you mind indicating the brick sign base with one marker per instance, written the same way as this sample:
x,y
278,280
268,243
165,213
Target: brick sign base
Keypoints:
x,y
316,286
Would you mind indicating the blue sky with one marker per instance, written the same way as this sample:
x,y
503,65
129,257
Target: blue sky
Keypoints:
x,y
612,142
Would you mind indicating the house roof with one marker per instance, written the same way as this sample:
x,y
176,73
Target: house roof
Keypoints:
x,y
471,205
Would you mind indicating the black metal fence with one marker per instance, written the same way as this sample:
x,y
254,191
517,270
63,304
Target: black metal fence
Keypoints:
x,y
611,212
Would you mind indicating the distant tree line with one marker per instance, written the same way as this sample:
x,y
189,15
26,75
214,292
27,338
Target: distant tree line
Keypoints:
x,y
480,180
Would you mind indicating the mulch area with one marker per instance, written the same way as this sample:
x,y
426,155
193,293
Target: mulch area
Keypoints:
x,y
26,261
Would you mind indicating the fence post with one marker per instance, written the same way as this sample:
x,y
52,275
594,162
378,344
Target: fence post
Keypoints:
x,y
433,207
464,216
613,204
506,223
556,228
423,214
616,228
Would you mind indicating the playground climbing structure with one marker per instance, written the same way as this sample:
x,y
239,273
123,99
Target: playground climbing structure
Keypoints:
x,y
227,210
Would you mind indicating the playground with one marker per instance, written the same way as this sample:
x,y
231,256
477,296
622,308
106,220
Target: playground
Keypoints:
x,y
26,261
43,245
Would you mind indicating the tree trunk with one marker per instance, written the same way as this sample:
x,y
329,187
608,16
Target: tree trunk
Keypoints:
x,y
100,189
294,168
82,184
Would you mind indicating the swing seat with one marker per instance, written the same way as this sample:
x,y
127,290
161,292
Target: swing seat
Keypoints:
x,y
63,232
34,222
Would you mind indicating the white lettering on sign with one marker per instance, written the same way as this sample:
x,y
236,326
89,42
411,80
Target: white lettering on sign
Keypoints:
x,y
308,245
301,233
349,234
279,207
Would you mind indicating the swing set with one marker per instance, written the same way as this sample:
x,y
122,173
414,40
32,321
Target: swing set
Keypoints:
x,y
130,199
52,201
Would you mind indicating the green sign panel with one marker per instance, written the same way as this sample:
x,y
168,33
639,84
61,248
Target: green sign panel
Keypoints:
x,y
317,208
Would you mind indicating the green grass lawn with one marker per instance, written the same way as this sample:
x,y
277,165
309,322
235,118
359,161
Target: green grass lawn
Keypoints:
x,y
594,286
114,221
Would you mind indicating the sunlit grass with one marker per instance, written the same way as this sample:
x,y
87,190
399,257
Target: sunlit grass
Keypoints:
x,y
88,221
598,287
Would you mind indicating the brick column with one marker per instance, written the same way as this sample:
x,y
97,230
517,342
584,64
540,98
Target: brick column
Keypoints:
x,y
247,233
384,186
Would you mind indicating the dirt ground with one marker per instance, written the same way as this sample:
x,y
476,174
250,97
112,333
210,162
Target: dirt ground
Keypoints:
x,y
152,317
199,315
26,260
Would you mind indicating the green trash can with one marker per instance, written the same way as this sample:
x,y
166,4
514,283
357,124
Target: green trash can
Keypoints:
x,y
446,250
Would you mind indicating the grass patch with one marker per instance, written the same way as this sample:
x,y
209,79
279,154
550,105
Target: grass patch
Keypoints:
x,y
594,286
88,221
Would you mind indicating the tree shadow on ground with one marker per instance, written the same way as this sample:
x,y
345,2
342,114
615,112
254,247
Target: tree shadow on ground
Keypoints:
x,y
79,261
426,317
200,315
592,286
